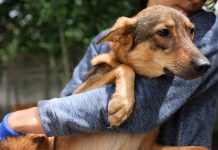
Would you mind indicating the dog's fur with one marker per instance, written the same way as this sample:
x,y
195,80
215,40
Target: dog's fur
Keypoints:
x,y
156,41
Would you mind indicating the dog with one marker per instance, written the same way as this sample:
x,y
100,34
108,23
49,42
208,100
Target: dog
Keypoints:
x,y
157,41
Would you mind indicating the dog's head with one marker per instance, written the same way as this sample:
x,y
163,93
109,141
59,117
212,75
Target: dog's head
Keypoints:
x,y
157,41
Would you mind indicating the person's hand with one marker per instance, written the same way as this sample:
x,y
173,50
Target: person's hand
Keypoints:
x,y
5,130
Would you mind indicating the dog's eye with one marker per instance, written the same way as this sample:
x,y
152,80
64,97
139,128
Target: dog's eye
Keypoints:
x,y
192,31
163,32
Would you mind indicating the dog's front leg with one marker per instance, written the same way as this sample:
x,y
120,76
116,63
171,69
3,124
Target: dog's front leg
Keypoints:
x,y
122,102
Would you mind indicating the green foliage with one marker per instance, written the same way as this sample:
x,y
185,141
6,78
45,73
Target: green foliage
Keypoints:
x,y
33,26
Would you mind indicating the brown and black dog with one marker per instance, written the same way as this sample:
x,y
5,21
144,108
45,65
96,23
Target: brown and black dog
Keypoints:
x,y
157,41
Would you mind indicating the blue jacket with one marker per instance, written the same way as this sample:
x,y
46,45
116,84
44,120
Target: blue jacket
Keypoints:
x,y
184,109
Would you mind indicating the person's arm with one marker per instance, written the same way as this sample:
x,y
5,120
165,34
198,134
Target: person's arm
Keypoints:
x,y
87,112
65,116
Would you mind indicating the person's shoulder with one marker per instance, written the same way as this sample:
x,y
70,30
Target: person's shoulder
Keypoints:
x,y
203,16
209,42
204,22
211,35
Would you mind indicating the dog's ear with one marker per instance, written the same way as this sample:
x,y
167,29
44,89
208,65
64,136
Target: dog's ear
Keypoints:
x,y
122,27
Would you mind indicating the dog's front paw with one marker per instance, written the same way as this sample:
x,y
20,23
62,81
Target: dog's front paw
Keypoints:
x,y
119,109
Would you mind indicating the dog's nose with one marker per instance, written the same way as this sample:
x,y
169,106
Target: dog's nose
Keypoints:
x,y
201,66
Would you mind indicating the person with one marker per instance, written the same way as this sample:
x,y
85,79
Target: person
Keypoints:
x,y
185,109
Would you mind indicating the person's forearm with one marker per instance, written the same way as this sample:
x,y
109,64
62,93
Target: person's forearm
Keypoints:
x,y
26,121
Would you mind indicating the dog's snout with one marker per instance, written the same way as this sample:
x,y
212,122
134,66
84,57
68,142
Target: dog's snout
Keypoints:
x,y
201,65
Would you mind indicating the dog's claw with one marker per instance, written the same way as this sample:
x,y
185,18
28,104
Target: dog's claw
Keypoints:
x,y
119,110
114,122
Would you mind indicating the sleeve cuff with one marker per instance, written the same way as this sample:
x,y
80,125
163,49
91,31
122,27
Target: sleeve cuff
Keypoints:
x,y
6,130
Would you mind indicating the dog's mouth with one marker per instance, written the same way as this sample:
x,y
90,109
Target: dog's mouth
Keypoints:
x,y
168,72
188,74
